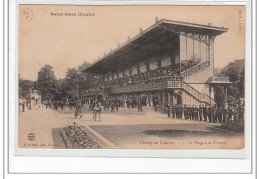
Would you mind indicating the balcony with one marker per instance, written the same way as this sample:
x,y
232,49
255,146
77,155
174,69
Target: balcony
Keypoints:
x,y
169,84
219,80
149,86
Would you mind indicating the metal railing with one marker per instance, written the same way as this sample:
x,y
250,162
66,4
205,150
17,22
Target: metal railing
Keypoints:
x,y
219,79
148,86
202,97
192,91
174,84
167,84
196,69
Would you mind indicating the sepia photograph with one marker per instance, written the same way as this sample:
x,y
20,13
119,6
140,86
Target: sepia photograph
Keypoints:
x,y
131,77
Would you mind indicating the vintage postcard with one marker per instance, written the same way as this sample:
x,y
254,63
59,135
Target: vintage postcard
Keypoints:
x,y
161,77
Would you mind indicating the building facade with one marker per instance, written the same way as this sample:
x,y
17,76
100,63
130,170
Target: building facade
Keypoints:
x,y
171,61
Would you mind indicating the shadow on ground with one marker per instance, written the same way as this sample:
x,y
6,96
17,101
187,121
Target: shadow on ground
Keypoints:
x,y
175,133
120,134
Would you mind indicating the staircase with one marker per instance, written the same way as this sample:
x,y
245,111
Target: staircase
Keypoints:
x,y
195,69
201,97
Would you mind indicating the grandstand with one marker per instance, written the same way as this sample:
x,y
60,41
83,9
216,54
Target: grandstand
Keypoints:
x,y
171,60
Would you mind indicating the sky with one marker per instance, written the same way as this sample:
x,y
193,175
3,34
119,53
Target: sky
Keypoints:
x,y
67,41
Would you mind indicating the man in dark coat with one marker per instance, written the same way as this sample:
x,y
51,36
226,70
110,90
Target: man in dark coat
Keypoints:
x,y
200,112
173,109
205,113
168,111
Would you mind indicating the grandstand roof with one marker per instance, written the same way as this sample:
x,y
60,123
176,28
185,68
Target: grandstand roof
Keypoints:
x,y
162,38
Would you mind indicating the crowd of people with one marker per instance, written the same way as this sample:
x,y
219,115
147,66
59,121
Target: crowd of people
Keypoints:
x,y
22,105
112,104
56,104
186,64
171,72
156,75
26,104
125,101
212,113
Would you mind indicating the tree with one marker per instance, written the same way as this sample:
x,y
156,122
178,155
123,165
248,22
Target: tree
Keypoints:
x,y
72,83
25,86
47,83
86,79
76,82
83,67
236,73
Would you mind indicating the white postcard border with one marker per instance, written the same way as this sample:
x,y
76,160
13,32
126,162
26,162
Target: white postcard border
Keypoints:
x,y
15,153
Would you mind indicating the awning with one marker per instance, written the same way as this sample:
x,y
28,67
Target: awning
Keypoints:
x,y
162,38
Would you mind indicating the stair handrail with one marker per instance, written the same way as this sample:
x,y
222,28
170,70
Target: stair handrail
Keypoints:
x,y
197,95
194,67
208,99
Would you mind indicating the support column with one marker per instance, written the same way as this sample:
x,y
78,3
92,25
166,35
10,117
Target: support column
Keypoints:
x,y
186,47
173,98
177,54
225,89
163,99
211,92
211,54
170,98
185,98
159,99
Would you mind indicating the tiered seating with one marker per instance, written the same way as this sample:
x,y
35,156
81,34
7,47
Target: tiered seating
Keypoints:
x,y
164,77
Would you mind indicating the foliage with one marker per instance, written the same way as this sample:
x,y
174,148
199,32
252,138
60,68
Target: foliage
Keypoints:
x,y
72,81
47,83
236,73
75,82
25,86
86,79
